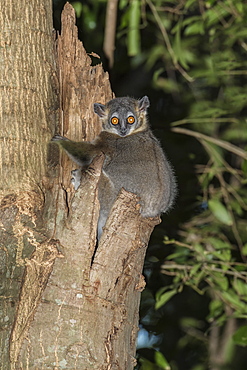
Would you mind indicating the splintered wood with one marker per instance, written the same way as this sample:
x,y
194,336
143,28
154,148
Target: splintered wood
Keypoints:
x,y
81,84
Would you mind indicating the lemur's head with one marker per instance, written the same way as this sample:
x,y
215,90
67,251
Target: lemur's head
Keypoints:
x,y
123,116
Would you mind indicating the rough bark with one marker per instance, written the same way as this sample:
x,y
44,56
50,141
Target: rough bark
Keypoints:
x,y
78,302
27,114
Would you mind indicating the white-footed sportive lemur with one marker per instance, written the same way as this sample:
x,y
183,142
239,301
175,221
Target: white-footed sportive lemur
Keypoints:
x,y
134,159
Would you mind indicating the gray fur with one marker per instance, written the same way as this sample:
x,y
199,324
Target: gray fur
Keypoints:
x,y
134,159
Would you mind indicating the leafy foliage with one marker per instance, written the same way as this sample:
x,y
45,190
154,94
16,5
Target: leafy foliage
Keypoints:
x,y
203,48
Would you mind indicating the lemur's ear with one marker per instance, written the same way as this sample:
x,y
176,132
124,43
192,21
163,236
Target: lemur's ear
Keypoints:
x,y
143,104
99,109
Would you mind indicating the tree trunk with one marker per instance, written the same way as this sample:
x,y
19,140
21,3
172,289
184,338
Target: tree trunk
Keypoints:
x,y
75,305
27,115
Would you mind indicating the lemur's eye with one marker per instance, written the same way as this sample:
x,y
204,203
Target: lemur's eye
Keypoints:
x,y
131,120
114,120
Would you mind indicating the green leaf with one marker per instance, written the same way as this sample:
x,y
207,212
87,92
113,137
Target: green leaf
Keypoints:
x,y
161,361
181,50
157,52
195,268
166,84
133,39
164,298
240,336
123,4
224,255
200,276
78,8
220,280
191,19
216,309
244,250
212,15
191,322
195,29
147,365
199,248
218,243
240,287
235,301
220,212
189,3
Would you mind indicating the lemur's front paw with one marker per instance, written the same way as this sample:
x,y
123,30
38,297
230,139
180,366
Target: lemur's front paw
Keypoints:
x,y
58,138
76,178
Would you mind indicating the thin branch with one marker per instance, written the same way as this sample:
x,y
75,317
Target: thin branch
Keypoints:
x,y
232,73
207,269
234,224
203,120
220,170
179,244
223,144
110,30
212,262
175,10
167,41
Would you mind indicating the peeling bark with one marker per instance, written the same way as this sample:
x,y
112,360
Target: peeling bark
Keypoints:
x,y
37,272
